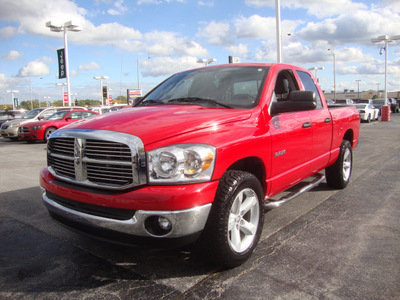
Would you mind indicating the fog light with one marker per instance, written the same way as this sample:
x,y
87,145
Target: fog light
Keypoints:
x,y
164,223
158,225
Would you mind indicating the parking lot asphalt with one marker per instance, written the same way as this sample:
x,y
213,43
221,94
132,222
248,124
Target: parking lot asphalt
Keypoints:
x,y
333,244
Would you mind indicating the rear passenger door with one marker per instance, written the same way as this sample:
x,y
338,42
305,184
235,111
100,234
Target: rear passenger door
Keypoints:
x,y
321,124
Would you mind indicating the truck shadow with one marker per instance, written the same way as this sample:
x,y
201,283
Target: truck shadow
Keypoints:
x,y
37,255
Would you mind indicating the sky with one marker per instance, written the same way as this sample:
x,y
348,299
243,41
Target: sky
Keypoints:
x,y
161,37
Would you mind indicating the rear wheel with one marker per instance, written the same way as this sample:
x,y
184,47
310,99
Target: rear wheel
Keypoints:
x,y
338,175
48,132
235,222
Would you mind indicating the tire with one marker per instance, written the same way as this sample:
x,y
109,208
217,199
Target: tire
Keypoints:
x,y
235,223
369,119
338,175
48,132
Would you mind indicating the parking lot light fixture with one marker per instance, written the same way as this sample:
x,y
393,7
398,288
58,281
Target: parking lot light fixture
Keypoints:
x,y
315,71
386,39
68,26
62,90
47,100
206,61
101,86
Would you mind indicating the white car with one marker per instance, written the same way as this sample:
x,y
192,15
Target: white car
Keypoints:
x,y
367,112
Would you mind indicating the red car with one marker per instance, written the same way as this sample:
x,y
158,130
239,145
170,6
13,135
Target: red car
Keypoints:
x,y
41,130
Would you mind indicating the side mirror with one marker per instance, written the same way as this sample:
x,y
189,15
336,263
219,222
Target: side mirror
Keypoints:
x,y
68,119
298,101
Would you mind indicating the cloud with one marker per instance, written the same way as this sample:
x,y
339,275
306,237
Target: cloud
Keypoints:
x,y
218,33
8,32
34,68
7,82
90,66
13,55
169,44
240,49
257,27
118,9
165,66
352,28
314,7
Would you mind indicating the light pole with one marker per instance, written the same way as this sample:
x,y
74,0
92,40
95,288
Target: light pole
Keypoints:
x,y
137,69
101,86
62,90
68,26
12,96
278,30
206,61
386,39
47,100
358,86
334,74
315,71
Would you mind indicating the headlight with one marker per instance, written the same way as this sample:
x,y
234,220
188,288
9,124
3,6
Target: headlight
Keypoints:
x,y
37,127
15,125
182,163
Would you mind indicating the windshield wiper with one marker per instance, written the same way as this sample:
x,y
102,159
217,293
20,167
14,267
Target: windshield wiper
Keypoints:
x,y
150,102
196,100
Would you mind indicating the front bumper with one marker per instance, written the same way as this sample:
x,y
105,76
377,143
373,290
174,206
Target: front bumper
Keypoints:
x,y
32,135
186,207
183,222
10,132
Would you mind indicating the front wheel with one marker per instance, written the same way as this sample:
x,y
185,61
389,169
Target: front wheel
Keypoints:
x,y
48,132
338,174
236,218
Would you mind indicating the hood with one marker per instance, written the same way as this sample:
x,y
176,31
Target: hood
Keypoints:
x,y
34,123
155,123
18,121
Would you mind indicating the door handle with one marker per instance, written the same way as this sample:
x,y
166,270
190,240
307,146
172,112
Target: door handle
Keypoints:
x,y
328,120
307,125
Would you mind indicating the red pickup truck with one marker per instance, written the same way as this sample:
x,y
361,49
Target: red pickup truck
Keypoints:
x,y
199,158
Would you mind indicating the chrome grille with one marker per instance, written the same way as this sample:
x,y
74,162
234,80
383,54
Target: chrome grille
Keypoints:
x,y
97,158
22,129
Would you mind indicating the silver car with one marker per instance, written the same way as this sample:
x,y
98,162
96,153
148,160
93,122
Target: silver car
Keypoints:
x,y
9,129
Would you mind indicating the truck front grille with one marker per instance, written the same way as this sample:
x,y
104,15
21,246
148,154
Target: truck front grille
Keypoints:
x,y
97,158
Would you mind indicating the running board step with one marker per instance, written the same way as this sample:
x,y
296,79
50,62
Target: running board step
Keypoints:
x,y
271,203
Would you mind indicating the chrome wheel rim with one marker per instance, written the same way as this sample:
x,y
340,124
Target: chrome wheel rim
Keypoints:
x,y
346,164
243,220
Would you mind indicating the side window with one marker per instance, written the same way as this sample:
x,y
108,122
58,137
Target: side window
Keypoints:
x,y
48,113
75,115
309,85
285,83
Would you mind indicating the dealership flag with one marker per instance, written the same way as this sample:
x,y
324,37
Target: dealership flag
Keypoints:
x,y
61,63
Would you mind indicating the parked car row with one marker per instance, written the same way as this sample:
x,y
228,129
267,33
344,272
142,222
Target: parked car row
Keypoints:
x,y
369,109
10,129
41,130
39,123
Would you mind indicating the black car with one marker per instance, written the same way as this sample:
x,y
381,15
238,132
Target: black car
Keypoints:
x,y
394,105
10,115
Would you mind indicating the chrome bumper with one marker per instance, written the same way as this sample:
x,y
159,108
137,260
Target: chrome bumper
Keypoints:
x,y
184,222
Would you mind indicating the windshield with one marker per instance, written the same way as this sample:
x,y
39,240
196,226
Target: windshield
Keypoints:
x,y
378,101
362,106
233,87
58,116
32,113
